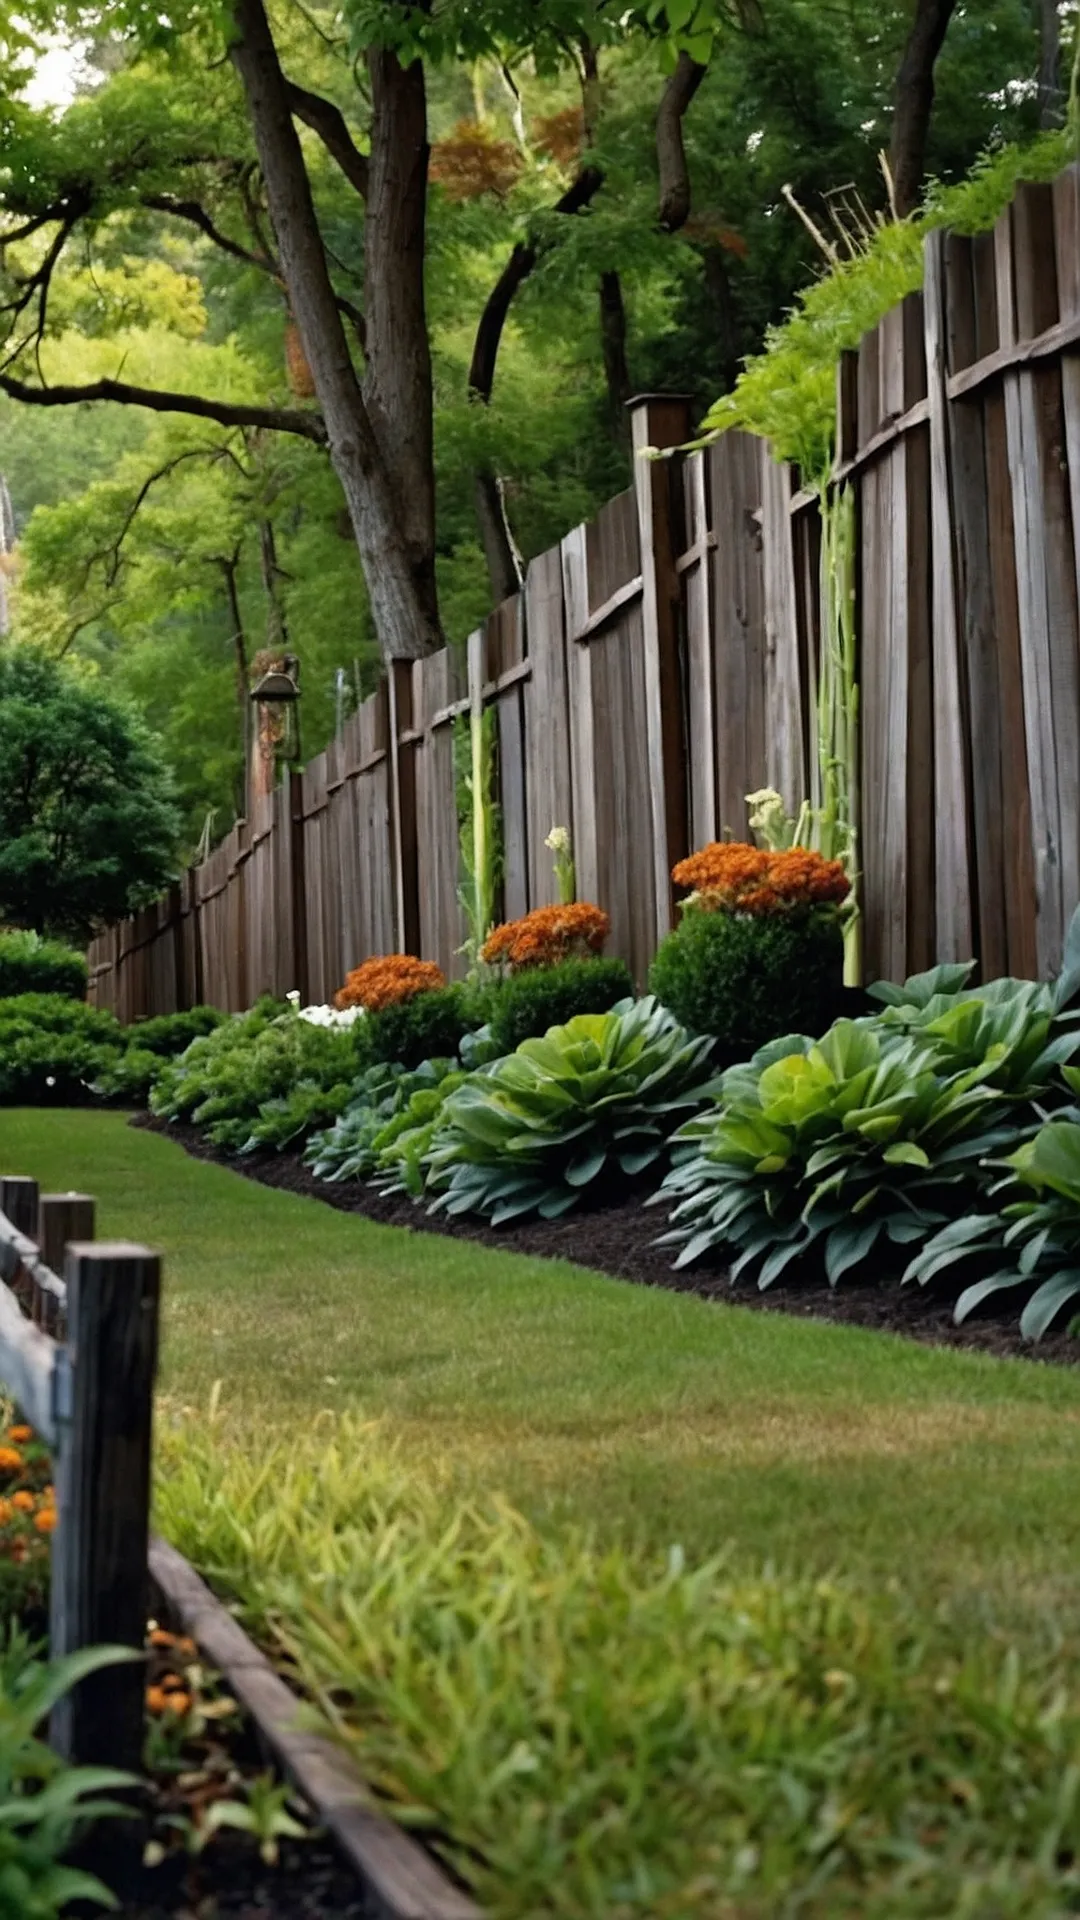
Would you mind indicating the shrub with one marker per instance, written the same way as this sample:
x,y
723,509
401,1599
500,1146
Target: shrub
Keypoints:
x,y
169,1034
746,979
29,964
52,1048
262,1079
548,935
532,1131
526,1004
385,981
427,1026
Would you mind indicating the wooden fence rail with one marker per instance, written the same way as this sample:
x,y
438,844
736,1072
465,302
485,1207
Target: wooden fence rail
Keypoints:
x,y
78,1356
661,663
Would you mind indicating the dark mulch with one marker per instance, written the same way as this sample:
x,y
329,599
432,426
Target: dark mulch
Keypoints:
x,y
620,1240
308,1883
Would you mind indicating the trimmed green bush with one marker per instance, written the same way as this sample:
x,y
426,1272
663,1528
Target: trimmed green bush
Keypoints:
x,y
52,1047
169,1034
527,1004
746,979
29,964
429,1026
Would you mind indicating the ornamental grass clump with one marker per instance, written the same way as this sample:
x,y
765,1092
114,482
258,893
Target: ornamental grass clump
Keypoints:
x,y
387,980
547,936
759,949
533,1132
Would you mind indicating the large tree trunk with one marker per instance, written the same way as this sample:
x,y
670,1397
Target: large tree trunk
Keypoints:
x,y
613,344
398,388
399,581
914,101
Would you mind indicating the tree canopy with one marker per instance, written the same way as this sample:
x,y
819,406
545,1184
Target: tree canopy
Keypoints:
x,y
515,212
88,829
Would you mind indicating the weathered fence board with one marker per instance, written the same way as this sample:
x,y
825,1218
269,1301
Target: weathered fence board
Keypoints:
x,y
662,662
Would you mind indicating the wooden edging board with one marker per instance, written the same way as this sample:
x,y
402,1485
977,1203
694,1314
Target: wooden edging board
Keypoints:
x,y
399,1878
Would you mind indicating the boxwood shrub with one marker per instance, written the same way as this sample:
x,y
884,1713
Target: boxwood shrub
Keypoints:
x,y
428,1026
524,1006
747,979
29,964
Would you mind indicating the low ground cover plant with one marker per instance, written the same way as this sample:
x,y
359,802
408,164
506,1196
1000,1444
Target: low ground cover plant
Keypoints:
x,y
759,949
29,964
533,1131
264,1079
389,1101
599,1731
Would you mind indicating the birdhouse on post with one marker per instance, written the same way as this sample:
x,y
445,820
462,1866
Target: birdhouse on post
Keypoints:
x,y
275,693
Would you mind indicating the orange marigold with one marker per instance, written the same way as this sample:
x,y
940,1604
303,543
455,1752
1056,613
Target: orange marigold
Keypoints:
x,y
45,1521
6,1511
547,935
390,977
10,1460
731,877
23,1502
20,1435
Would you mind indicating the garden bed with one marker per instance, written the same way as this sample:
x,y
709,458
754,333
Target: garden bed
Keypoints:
x,y
621,1240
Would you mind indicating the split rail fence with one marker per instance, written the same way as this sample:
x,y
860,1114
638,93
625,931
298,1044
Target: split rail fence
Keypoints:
x,y
661,663
78,1356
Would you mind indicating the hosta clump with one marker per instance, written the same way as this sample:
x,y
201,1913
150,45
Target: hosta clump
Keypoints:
x,y
534,1131
1030,1240
830,1146
381,1107
262,1080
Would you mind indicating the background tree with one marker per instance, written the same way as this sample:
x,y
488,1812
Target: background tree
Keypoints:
x,y
88,830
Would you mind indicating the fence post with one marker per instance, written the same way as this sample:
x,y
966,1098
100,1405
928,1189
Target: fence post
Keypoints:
x,y
662,421
62,1217
19,1201
301,979
99,1576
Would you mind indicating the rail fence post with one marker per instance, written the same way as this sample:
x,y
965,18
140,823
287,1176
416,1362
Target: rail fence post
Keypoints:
x,y
100,1584
62,1217
19,1200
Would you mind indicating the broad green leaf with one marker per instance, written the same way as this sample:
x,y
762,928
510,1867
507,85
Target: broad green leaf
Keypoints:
x,y
1047,1302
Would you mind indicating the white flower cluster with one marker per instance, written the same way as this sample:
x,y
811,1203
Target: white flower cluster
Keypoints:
x,y
325,1016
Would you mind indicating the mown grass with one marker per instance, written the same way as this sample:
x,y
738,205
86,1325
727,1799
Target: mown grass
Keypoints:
x,y
384,1395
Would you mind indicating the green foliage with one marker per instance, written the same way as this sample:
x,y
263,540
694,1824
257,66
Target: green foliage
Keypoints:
x,y
532,1132
29,964
745,979
43,1803
1031,1240
87,826
350,1149
600,1717
167,1034
788,392
262,1079
479,823
875,1134
52,1047
428,1026
525,1005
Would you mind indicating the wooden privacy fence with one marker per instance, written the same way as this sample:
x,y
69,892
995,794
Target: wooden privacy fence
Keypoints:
x,y
661,663
78,1356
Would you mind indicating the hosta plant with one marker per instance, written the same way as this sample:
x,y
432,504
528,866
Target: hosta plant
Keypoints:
x,y
380,1109
534,1131
1031,1241
828,1147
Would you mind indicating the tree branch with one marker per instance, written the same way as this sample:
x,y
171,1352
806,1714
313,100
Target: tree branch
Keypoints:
x,y
309,426
517,270
192,211
328,121
670,147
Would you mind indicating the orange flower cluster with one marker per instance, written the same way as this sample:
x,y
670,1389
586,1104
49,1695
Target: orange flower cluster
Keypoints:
x,y
167,1692
27,1502
386,980
733,878
546,936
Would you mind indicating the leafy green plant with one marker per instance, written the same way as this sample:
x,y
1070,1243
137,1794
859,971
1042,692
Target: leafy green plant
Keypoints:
x,y
345,1151
525,1005
264,1815
479,823
170,1034
262,1079
29,964
532,1132
1032,1240
745,979
44,1803
52,1047
402,1144
427,1026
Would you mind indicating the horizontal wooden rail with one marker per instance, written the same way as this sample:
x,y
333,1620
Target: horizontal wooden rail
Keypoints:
x,y
1064,334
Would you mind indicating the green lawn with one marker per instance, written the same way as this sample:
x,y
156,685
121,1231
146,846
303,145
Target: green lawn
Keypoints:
x,y
649,1414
